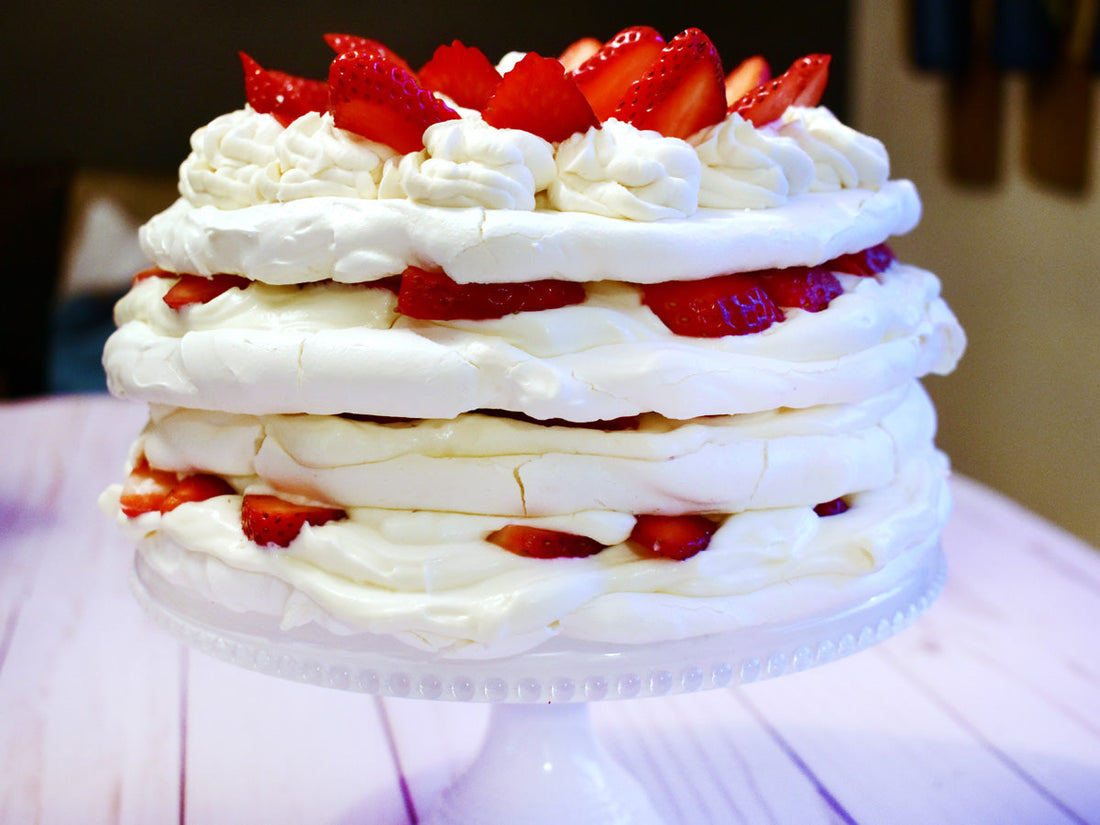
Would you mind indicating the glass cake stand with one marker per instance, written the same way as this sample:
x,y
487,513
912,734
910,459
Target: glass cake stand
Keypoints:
x,y
540,761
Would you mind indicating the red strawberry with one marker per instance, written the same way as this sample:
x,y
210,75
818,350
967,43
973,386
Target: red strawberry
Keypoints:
x,y
804,287
283,95
195,289
801,85
152,272
462,73
711,308
377,99
747,76
538,97
680,94
434,296
145,489
672,537
605,77
198,487
268,520
832,508
539,543
867,262
341,43
578,51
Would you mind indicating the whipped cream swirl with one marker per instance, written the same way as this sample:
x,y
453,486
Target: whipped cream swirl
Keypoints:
x,y
746,168
622,172
843,158
466,162
228,158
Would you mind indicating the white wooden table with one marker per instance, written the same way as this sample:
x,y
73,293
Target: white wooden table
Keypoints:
x,y
987,710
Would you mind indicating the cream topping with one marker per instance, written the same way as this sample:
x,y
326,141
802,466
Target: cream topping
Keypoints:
x,y
466,162
747,168
602,359
620,172
354,240
228,158
430,580
482,464
245,158
842,157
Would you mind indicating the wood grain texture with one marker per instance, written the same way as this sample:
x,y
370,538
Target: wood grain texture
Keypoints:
x,y
987,710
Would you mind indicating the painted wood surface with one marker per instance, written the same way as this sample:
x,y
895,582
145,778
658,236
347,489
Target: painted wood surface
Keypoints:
x,y
987,710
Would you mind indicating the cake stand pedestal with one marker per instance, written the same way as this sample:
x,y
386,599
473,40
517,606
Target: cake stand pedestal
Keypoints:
x,y
540,763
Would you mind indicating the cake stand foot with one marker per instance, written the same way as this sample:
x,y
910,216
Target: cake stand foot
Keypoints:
x,y
542,764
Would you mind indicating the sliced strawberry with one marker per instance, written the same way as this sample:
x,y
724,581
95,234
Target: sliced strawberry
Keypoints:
x,y
152,272
283,95
579,51
832,508
680,94
750,73
379,100
197,487
803,287
341,43
801,85
866,263
145,489
711,308
672,537
605,77
463,73
268,520
539,543
539,97
195,289
435,296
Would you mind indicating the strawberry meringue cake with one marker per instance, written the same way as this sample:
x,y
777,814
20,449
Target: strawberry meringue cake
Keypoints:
x,y
609,348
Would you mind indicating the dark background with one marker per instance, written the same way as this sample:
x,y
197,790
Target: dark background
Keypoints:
x,y
121,85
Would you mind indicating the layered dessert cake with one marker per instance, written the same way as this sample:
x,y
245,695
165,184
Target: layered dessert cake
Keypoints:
x,y
610,348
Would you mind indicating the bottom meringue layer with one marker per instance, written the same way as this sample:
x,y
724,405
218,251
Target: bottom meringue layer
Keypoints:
x,y
441,588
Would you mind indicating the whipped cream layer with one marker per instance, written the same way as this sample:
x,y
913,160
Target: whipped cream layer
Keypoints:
x,y
245,158
331,348
483,464
353,240
431,580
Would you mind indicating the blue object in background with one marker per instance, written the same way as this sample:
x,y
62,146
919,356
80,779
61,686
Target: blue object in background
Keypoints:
x,y
941,31
79,329
1026,35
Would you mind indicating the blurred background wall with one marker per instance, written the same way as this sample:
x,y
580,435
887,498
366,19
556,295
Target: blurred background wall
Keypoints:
x,y
1019,255
104,97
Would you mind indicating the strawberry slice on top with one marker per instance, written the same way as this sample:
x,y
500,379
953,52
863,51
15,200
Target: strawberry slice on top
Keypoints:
x,y
461,72
802,84
341,43
607,75
375,98
282,95
749,73
683,92
539,97
579,51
